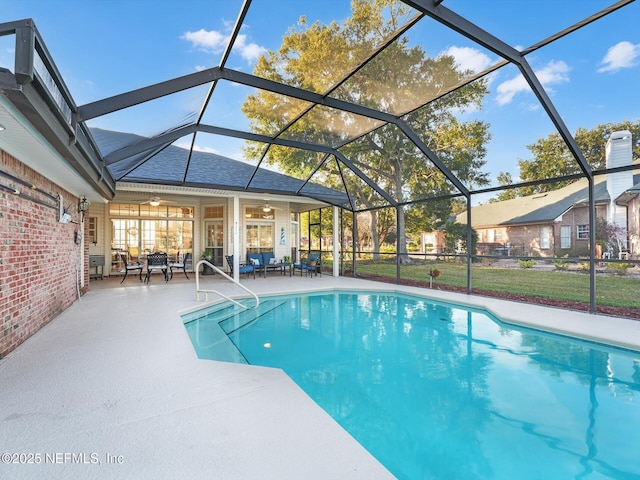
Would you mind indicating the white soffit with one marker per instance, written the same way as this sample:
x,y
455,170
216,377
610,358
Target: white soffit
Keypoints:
x,y
21,140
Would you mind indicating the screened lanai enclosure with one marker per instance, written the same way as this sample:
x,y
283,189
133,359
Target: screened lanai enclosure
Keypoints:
x,y
464,151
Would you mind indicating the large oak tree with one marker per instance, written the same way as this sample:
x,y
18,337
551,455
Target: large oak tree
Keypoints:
x,y
316,57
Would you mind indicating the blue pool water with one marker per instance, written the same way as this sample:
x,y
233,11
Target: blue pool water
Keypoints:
x,y
438,391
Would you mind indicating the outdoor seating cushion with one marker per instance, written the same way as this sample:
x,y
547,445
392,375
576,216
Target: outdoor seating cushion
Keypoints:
x,y
266,258
262,258
254,258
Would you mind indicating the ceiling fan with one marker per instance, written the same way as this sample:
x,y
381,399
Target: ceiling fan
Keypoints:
x,y
155,201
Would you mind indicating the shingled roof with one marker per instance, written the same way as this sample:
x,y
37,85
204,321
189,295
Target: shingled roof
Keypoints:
x,y
538,208
172,166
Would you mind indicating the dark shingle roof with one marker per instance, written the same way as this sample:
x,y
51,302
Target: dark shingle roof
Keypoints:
x,y
205,170
539,208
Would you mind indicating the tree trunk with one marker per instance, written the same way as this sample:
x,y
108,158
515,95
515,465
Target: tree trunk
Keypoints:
x,y
375,238
401,240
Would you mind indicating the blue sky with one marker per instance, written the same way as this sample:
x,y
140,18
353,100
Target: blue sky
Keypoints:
x,y
103,48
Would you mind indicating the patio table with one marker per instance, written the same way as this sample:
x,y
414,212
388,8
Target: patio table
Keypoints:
x,y
282,266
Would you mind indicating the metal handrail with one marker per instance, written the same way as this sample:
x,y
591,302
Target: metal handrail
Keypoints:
x,y
207,292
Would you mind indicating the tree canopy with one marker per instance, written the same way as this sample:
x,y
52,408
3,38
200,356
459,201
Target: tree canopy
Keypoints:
x,y
316,57
552,158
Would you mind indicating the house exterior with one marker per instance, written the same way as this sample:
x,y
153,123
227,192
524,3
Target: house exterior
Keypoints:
x,y
546,225
199,216
556,223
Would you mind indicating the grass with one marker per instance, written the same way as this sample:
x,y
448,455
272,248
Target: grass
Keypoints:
x,y
611,290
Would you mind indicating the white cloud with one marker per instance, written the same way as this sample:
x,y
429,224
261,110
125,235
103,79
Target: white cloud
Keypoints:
x,y
469,58
621,55
197,148
208,40
553,74
212,41
249,51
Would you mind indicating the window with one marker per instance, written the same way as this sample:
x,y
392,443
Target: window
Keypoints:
x,y
545,237
214,233
259,237
259,213
582,232
215,241
214,212
565,236
163,228
92,231
498,235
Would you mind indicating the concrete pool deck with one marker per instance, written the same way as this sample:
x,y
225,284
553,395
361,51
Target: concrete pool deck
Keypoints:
x,y
112,388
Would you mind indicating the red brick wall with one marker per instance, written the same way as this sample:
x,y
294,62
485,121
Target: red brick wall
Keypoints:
x,y
38,259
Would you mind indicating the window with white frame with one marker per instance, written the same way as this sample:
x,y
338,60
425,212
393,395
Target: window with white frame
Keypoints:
x,y
565,236
582,232
545,237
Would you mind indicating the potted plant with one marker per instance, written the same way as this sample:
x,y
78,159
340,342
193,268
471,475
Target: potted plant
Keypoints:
x,y
286,259
433,273
207,255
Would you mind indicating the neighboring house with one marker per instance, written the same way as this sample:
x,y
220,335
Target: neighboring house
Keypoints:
x,y
545,224
557,222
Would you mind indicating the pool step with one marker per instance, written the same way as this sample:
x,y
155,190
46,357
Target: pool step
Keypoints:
x,y
241,319
216,312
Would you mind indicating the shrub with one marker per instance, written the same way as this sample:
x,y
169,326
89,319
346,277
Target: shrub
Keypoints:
x,y
618,268
583,267
387,249
561,264
526,263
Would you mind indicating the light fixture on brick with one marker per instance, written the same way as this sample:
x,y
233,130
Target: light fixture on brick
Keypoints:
x,y
83,208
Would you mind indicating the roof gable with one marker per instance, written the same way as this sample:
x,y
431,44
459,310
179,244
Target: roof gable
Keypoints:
x,y
538,208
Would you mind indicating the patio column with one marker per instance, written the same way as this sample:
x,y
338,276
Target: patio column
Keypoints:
x,y
236,238
336,239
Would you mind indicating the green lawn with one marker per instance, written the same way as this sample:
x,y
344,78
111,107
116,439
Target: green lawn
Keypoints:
x,y
611,290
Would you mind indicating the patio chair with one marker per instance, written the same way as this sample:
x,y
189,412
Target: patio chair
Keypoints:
x,y
129,267
244,267
157,261
180,265
310,266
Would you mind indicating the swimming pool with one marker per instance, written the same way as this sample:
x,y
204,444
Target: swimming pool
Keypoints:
x,y
435,390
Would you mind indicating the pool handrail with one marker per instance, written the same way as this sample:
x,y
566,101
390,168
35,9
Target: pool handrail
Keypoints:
x,y
207,292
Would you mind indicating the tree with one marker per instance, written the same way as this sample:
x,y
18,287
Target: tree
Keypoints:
x,y
609,235
551,157
504,179
455,238
315,57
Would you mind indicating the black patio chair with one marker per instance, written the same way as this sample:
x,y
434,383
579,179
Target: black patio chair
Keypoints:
x,y
157,261
180,265
129,267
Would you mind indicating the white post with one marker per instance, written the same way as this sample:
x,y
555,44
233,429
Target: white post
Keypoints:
x,y
236,238
336,238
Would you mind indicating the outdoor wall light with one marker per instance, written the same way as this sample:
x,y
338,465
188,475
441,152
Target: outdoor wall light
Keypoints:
x,y
83,208
1,127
